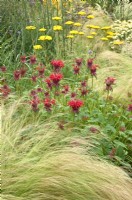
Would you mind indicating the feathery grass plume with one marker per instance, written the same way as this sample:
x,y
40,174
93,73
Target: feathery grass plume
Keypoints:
x,y
37,164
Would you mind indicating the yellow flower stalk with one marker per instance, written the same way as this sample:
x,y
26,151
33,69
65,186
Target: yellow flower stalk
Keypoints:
x,y
37,47
82,13
42,29
93,33
74,32
80,33
90,17
69,22
57,28
56,18
77,24
90,37
45,37
30,27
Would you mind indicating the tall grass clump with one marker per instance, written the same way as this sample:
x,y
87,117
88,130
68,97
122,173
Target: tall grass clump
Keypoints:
x,y
38,163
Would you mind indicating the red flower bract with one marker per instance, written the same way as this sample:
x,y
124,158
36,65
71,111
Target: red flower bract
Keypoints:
x,y
109,82
23,59
75,104
93,70
33,60
76,69
17,75
57,64
89,62
34,103
78,61
55,78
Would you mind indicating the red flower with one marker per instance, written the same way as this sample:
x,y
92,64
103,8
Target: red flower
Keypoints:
x,y
34,78
17,75
57,65
5,90
23,71
84,83
33,60
48,103
109,82
41,70
56,78
34,103
84,91
76,69
23,59
75,104
93,70
78,61
49,83
39,89
130,107
33,92
94,129
3,68
73,94
66,89
89,62
46,93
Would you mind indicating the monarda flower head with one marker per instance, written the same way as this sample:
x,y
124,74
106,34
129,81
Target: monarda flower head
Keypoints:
x,y
23,71
93,70
57,65
40,70
109,82
78,61
17,75
5,90
76,69
75,104
56,78
33,60
48,103
23,59
49,83
66,89
34,103
3,68
89,62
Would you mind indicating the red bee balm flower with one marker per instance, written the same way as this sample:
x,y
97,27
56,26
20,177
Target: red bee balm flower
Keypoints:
x,y
34,103
23,59
5,90
109,82
75,104
17,75
57,65
76,69
48,103
55,78
33,60
93,70
3,68
23,71
130,107
89,62
49,83
78,61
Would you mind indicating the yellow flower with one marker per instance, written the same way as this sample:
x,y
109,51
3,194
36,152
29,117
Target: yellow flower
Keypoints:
x,y
45,37
81,13
81,33
118,42
37,47
104,39
109,36
93,33
110,33
74,32
77,24
93,26
56,18
42,29
90,37
70,36
69,22
30,27
90,17
57,28
106,28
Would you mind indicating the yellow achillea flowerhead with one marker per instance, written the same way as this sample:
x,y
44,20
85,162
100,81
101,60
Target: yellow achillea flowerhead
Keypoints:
x,y
93,26
57,28
90,17
77,24
81,13
93,33
81,33
106,28
42,29
110,33
90,37
74,32
70,36
118,42
45,37
30,27
104,39
56,18
109,36
69,22
37,47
